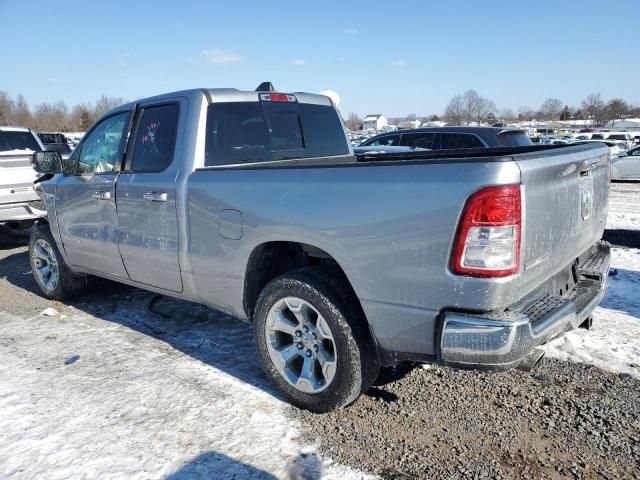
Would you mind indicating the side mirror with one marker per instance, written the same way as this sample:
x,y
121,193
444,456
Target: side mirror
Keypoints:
x,y
47,162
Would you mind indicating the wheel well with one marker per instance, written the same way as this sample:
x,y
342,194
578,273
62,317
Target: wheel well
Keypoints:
x,y
272,259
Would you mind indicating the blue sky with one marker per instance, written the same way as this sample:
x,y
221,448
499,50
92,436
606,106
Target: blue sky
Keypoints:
x,y
393,57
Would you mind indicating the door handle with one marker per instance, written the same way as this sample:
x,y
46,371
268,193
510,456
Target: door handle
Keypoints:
x,y
588,165
101,195
155,196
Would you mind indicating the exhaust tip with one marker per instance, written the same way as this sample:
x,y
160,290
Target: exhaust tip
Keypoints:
x,y
531,361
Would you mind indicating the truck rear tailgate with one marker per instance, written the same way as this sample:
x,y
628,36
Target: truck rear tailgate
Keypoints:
x,y
16,179
565,196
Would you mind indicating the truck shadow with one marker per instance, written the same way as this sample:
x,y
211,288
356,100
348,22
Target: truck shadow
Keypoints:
x,y
622,292
207,335
216,465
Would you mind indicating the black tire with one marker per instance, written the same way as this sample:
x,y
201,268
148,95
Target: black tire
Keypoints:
x,y
357,362
67,285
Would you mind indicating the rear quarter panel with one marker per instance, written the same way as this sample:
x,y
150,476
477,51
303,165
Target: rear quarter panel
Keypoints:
x,y
389,227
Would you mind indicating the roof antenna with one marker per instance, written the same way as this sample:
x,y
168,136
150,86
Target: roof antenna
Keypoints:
x,y
265,87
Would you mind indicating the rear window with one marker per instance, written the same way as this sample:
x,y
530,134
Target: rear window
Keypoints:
x,y
249,132
48,138
16,140
597,136
514,139
417,140
454,141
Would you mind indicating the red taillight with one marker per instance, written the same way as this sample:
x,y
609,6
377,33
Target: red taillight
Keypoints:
x,y
487,243
277,97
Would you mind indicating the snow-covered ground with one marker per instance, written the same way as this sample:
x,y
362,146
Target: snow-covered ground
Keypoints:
x,y
614,341
125,393
624,207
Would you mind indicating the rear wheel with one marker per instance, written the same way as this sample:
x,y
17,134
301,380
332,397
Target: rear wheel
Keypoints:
x,y
313,341
49,270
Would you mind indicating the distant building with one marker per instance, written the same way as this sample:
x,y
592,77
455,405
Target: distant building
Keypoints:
x,y
409,124
376,122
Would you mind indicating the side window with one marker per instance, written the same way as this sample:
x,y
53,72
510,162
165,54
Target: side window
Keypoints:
x,y
452,141
101,150
155,138
636,152
388,141
418,140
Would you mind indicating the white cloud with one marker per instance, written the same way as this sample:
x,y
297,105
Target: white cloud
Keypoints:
x,y
351,31
298,61
399,62
220,56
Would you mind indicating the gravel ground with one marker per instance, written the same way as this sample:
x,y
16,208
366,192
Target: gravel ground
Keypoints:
x,y
563,420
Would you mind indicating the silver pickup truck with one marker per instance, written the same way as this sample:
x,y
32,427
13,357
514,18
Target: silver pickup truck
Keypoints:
x,y
253,203
19,203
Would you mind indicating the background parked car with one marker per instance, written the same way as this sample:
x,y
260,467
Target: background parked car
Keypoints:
x,y
452,138
626,166
55,141
19,202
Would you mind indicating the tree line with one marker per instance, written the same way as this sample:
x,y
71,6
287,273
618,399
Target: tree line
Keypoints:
x,y
471,107
54,116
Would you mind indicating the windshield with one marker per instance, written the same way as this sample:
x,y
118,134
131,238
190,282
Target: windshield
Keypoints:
x,y
17,140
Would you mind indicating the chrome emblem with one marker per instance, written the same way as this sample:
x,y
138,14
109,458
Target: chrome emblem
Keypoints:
x,y
587,202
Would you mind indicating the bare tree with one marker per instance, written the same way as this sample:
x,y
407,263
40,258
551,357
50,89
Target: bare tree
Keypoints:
x,y
525,113
595,108
507,115
21,113
104,104
472,102
354,122
551,108
454,113
484,111
6,108
616,109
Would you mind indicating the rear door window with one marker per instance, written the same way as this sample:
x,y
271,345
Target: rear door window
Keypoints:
x,y
454,141
155,138
417,140
386,141
250,132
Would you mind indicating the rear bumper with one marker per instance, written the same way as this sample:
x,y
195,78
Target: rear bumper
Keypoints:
x,y
500,341
15,212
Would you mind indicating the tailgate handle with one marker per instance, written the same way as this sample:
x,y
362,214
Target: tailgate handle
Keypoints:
x,y
588,165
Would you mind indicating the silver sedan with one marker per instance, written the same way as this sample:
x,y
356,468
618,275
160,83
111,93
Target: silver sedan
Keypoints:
x,y
626,166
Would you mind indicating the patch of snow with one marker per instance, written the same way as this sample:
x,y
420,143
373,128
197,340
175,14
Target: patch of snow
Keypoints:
x,y
624,212
122,392
613,343
26,151
50,312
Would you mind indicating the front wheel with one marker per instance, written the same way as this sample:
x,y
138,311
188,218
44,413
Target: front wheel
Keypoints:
x,y
313,341
49,270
